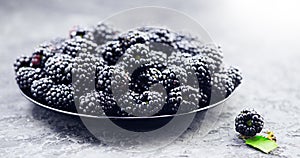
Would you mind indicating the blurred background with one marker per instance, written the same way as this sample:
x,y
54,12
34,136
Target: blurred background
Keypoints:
x,y
259,36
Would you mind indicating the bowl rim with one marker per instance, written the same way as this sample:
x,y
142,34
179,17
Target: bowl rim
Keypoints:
x,y
128,117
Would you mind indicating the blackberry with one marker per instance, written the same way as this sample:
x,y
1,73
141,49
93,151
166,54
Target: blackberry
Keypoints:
x,y
159,35
84,71
39,88
170,79
22,61
77,45
249,123
112,78
78,31
148,103
177,58
113,50
143,78
91,104
61,96
224,83
110,105
103,33
174,98
235,75
59,68
184,99
139,55
41,55
26,75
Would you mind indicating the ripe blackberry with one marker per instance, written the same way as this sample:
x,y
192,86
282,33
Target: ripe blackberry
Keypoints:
x,y
59,68
26,75
170,78
103,33
78,31
41,55
148,103
138,56
224,83
39,88
235,75
84,71
77,45
177,58
248,123
112,78
143,78
22,61
91,104
113,50
110,105
60,96
174,97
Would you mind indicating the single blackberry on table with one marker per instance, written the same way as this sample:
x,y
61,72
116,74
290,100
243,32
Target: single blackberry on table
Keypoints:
x,y
78,31
22,61
61,96
103,33
77,45
249,123
84,70
39,88
26,75
59,68
91,104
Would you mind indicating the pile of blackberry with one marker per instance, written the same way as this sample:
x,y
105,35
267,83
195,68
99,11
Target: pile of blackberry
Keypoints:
x,y
147,71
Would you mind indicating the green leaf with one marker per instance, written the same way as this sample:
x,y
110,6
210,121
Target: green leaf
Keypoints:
x,y
262,143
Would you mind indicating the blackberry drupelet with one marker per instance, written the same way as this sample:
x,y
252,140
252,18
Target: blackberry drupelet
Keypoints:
x,y
61,96
78,45
103,33
22,61
59,68
26,75
249,123
39,88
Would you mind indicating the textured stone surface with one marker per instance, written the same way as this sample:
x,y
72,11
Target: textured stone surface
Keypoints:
x,y
260,37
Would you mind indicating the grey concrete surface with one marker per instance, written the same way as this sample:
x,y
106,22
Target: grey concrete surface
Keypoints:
x,y
261,37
